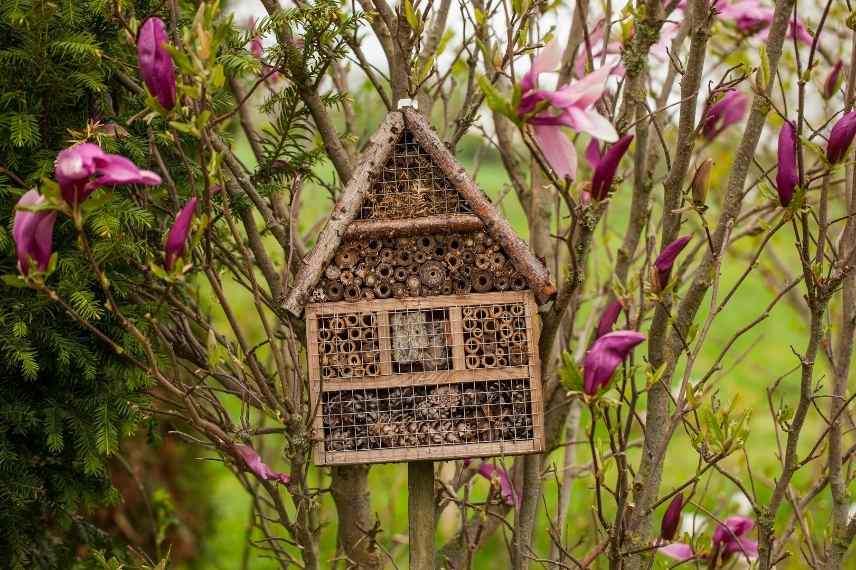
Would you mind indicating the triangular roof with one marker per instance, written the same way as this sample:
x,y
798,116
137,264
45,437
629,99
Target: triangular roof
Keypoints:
x,y
478,213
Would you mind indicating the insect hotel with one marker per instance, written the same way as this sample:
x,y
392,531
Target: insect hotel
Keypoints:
x,y
421,313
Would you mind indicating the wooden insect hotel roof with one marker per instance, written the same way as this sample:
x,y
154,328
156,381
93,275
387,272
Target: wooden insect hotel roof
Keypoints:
x,y
407,183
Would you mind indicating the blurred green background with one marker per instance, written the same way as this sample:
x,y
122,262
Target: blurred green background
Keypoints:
x,y
755,361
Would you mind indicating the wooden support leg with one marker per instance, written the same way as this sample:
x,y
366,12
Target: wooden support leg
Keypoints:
x,y
420,512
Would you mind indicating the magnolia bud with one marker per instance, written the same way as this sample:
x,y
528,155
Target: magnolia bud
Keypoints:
x,y
701,182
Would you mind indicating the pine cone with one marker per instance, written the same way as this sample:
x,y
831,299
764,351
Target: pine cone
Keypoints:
x,y
382,430
340,440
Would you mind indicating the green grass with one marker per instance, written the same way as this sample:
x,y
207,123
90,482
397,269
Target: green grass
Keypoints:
x,y
753,363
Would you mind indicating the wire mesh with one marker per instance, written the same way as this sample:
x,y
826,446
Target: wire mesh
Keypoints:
x,y
422,266
410,185
405,375
495,336
421,340
348,345
422,416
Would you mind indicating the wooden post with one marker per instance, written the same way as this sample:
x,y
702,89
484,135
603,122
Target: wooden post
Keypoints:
x,y
420,513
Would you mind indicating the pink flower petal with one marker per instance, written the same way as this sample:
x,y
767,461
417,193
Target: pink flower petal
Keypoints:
x,y
605,355
33,233
176,240
677,551
557,149
499,476
548,59
258,467
732,528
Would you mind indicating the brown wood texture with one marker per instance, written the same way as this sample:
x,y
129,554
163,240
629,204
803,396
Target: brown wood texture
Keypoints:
x,y
384,338
410,303
347,207
457,323
315,385
523,259
533,325
429,453
421,514
446,223
531,371
429,378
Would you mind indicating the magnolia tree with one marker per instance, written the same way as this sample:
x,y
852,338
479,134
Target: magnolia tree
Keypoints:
x,y
717,134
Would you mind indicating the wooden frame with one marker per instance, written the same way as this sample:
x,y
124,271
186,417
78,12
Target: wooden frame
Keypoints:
x,y
457,374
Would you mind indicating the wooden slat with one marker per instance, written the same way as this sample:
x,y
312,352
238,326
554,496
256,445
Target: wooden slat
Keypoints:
x,y
315,386
390,229
457,325
533,325
408,303
428,378
384,336
435,453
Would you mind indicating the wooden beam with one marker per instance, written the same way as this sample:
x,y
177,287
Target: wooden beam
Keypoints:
x,y
421,514
389,229
347,207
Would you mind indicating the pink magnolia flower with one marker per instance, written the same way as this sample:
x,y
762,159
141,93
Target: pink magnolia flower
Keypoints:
x,y
833,80
571,106
840,137
84,168
156,64
255,464
612,51
176,240
729,537
256,47
672,517
755,17
668,31
608,318
787,176
33,233
664,262
726,112
499,478
605,167
605,355
728,540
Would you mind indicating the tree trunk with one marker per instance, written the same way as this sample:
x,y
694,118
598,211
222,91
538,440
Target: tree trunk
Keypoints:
x,y
355,515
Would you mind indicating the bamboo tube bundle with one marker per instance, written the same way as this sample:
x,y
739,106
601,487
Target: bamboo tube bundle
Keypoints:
x,y
387,256
482,281
332,272
472,262
401,273
353,293
384,271
399,290
420,257
347,257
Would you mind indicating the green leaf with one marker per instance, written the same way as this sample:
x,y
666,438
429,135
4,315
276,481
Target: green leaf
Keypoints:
x,y
762,77
495,100
570,375
14,281
413,19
